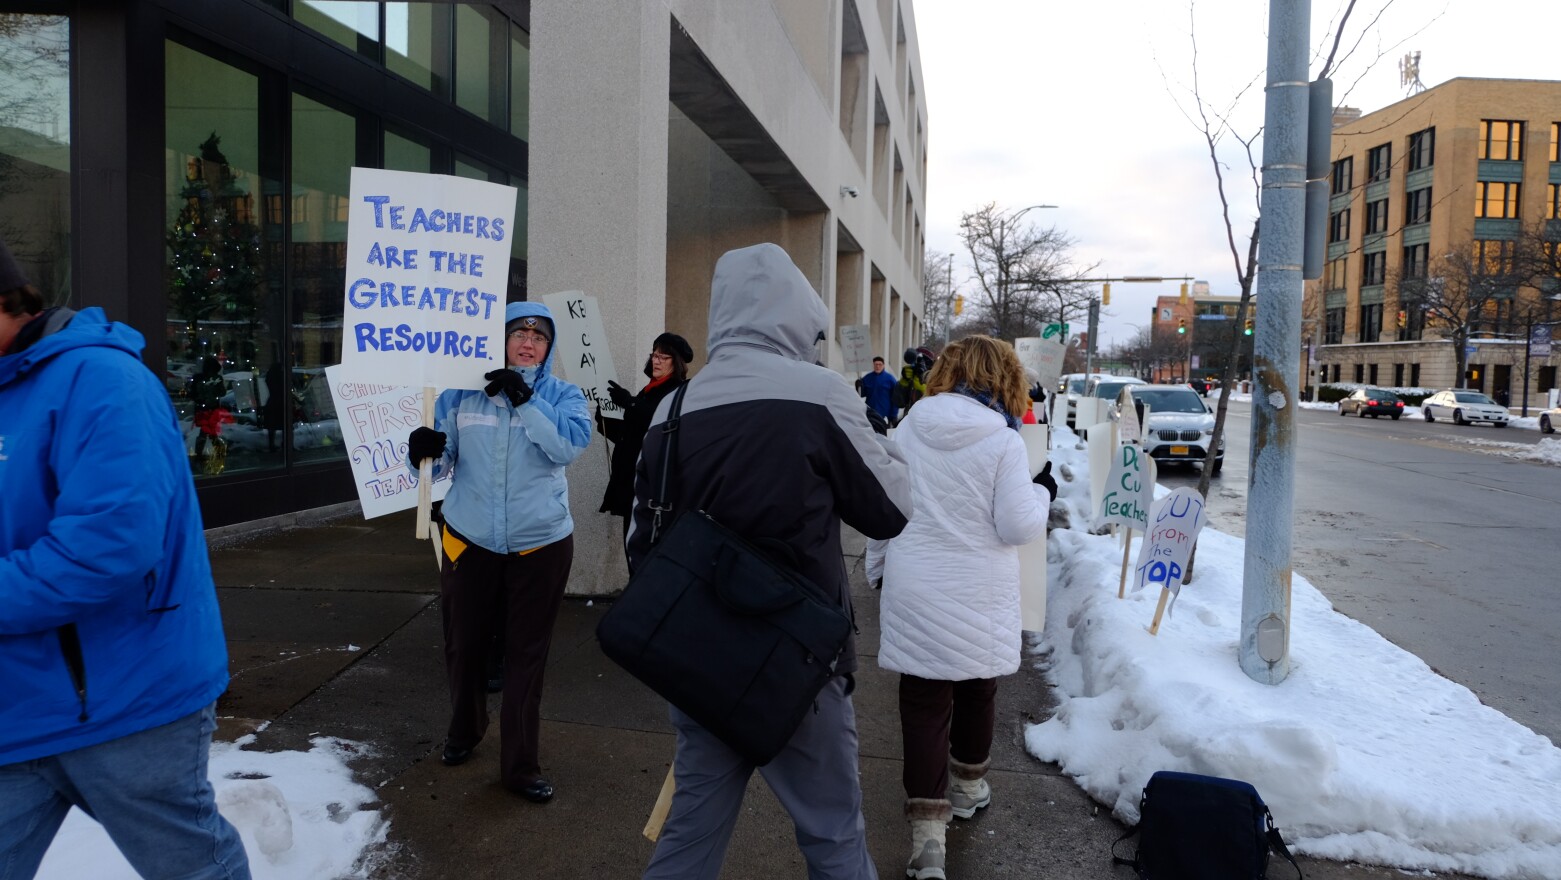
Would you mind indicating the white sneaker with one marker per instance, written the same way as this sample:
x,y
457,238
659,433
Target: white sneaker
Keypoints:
x,y
966,796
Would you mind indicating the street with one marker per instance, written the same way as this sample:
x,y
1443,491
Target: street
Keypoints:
x,y
1446,551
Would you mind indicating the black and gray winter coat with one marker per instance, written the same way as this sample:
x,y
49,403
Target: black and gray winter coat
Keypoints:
x,y
771,445
627,434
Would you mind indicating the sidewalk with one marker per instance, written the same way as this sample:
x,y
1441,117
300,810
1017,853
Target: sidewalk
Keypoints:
x,y
333,630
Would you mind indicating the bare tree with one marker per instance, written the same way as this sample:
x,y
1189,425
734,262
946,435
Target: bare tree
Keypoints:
x,y
1024,276
938,293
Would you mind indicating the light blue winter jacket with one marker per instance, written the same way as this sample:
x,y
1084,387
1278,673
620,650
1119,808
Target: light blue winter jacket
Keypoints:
x,y
108,618
509,493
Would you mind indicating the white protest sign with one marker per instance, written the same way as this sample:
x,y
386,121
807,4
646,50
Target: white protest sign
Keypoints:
x,y
1032,556
1129,489
1099,450
1029,350
856,345
375,421
580,352
1059,407
1174,524
1131,430
427,270
1044,356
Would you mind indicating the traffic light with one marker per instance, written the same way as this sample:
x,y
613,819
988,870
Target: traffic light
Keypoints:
x,y
1403,318
1248,331
1105,294
1183,298
1181,324
959,304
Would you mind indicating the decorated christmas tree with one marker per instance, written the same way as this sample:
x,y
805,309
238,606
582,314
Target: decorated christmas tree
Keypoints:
x,y
215,257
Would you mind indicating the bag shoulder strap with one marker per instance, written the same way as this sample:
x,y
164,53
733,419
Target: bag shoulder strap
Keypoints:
x,y
661,499
1118,860
1277,844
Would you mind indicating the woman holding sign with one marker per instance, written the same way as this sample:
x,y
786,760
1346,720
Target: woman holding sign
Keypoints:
x,y
508,538
667,368
950,608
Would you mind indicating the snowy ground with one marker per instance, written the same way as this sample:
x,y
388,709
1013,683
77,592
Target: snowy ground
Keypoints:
x,y
301,815
1363,753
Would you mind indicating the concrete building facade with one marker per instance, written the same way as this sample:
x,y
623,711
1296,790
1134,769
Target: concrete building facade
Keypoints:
x,y
1459,171
185,165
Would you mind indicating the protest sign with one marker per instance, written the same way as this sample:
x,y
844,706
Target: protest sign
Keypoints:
x,y
1174,524
856,345
1129,489
1032,556
427,264
375,421
580,352
1132,431
1044,356
1099,448
1059,407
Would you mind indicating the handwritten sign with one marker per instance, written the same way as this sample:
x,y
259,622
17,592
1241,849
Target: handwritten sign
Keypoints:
x,y
1129,489
1043,354
427,264
581,354
856,345
375,421
1174,524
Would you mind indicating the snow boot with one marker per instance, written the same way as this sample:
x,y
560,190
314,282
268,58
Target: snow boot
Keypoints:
x,y
929,824
968,788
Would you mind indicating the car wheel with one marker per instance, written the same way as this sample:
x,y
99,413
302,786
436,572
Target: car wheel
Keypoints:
x,y
1360,413
1428,416
1215,470
1395,418
1500,424
1458,417
1545,426
1342,413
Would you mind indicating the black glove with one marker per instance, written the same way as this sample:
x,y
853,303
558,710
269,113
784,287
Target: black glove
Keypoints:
x,y
513,385
424,443
1044,478
879,423
620,395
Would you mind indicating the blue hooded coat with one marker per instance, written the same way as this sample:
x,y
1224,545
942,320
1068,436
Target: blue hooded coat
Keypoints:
x,y
509,493
108,617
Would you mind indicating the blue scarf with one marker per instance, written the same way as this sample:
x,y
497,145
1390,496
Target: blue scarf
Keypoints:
x,y
987,400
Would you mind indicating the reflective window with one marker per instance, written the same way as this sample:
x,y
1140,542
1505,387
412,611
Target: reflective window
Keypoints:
x,y
474,60
349,22
1501,139
1417,207
1553,202
1379,162
35,149
1339,226
1493,257
1333,332
1337,275
1555,141
519,82
416,37
1370,326
223,286
407,154
1343,175
1422,149
324,151
1377,216
1416,259
1496,199
1373,268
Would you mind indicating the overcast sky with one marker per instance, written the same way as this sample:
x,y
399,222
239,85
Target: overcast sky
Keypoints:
x,y
1066,104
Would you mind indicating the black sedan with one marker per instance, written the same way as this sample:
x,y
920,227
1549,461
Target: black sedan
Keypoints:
x,y
1372,402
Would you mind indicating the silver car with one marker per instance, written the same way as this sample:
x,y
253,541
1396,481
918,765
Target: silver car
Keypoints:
x,y
1464,406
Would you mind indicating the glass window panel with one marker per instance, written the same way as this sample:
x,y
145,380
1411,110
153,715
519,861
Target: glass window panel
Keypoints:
x,y
324,151
519,82
35,149
341,20
473,60
223,278
517,245
413,32
406,154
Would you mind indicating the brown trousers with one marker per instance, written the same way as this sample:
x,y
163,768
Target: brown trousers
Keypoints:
x,y
940,719
478,593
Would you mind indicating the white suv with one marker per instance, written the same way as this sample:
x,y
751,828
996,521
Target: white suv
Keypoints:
x,y
1181,425
1073,385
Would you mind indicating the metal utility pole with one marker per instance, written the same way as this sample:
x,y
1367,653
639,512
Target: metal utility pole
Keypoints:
x,y
1089,347
1265,598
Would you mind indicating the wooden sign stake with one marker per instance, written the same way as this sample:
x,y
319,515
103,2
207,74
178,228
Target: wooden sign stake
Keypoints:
x,y
425,474
1127,541
1165,593
658,813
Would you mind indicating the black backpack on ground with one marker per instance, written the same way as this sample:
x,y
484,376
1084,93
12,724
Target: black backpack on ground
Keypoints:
x,y
1193,827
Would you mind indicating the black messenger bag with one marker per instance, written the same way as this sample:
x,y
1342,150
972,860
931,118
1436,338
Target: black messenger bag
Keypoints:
x,y
1194,827
738,642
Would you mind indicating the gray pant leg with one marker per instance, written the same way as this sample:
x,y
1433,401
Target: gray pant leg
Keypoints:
x,y
711,779
816,779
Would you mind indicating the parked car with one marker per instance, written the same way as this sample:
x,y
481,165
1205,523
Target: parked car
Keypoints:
x,y
1180,425
1106,387
1073,385
1549,419
1464,406
1373,402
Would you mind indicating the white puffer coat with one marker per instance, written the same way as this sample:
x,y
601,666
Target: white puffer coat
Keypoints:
x,y
950,606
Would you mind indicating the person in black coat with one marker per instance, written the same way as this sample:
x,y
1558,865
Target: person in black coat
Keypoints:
x,y
667,368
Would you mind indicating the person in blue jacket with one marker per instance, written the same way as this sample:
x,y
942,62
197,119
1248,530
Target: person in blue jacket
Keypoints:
x,y
111,647
878,388
508,538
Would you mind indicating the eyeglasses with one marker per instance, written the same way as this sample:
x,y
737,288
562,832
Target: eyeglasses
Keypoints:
x,y
528,336
658,356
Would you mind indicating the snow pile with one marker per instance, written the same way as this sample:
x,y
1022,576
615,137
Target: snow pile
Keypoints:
x,y
300,814
1363,753
1546,451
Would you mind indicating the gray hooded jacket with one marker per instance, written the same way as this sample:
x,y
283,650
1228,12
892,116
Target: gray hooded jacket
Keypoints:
x,y
772,445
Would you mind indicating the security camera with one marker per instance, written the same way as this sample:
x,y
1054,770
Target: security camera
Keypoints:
x,y
849,191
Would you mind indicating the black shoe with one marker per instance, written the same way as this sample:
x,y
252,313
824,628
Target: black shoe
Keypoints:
x,y
539,792
455,755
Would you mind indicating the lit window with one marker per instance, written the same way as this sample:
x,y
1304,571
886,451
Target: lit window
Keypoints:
x,y
1496,199
1501,139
